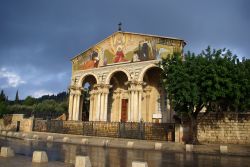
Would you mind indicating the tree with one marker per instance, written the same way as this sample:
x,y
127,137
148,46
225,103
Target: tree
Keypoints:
x,y
17,97
209,81
29,101
3,108
50,108
3,104
20,109
2,96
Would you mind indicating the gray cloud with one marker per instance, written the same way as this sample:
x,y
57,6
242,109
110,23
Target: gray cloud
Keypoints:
x,y
38,38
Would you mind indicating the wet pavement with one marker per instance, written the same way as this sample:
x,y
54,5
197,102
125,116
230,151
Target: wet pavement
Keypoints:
x,y
61,154
25,161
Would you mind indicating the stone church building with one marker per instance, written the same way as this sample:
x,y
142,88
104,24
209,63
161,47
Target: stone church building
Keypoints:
x,y
118,79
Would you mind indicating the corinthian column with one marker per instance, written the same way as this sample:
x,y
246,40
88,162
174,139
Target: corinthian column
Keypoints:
x,y
132,105
132,101
91,103
98,106
105,103
102,107
77,107
70,106
74,107
135,97
129,110
105,110
136,106
147,90
140,90
139,105
81,97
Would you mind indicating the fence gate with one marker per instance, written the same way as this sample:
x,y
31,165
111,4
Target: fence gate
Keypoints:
x,y
132,130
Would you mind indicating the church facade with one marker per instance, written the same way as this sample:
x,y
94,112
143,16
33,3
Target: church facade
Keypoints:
x,y
118,79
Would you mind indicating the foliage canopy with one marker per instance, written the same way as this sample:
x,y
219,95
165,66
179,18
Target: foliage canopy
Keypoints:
x,y
214,80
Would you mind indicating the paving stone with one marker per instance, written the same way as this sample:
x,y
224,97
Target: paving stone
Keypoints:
x,y
189,147
158,146
10,134
85,141
139,164
66,139
39,157
35,137
130,144
7,152
82,161
223,149
50,138
4,133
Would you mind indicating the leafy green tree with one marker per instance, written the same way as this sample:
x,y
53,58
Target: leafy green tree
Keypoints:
x,y
29,101
50,108
20,109
214,80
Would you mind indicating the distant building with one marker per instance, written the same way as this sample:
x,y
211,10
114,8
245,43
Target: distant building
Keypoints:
x,y
122,78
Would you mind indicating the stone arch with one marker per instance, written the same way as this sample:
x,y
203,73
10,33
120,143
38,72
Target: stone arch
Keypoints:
x,y
153,94
144,70
107,81
118,95
81,79
84,104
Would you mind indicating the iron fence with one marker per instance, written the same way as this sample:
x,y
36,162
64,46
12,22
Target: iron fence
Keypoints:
x,y
132,130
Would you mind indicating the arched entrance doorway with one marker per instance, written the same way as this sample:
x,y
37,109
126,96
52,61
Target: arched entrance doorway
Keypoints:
x,y
154,96
86,104
118,97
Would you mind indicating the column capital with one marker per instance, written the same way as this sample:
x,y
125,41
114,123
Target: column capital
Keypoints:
x,y
135,85
102,88
75,90
73,87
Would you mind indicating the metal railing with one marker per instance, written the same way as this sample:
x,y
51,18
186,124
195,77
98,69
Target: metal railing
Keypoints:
x,y
132,130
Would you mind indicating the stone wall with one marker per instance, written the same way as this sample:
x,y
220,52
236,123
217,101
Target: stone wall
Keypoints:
x,y
10,122
26,125
228,128
160,131
6,123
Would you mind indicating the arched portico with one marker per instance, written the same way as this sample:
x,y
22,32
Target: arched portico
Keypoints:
x,y
111,73
87,101
83,77
118,97
155,105
144,70
80,104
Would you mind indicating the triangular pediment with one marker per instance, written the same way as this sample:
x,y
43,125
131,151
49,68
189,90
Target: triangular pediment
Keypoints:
x,y
126,47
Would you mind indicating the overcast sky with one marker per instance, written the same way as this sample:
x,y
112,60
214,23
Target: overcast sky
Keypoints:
x,y
38,37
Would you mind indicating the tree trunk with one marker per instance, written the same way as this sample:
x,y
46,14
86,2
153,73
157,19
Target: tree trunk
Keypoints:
x,y
193,129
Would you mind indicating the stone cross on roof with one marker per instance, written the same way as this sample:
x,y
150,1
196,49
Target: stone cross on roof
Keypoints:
x,y
120,26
